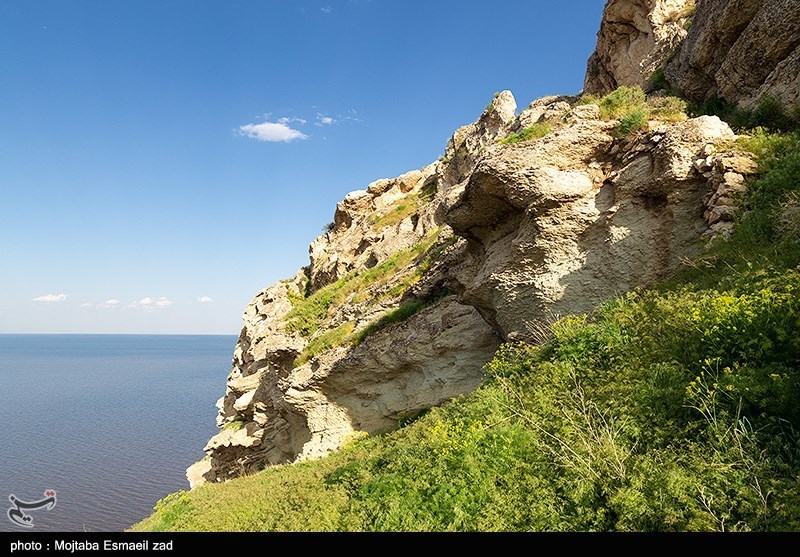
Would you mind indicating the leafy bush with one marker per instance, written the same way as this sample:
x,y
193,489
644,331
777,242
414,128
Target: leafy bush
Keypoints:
x,y
667,109
631,122
621,102
540,129
769,114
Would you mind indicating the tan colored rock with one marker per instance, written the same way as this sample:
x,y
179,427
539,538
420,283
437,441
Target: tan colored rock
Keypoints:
x,y
740,50
465,147
549,226
635,39
545,238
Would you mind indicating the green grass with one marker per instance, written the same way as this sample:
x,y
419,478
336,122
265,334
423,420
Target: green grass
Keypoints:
x,y
633,121
633,109
235,425
769,114
325,341
308,313
406,207
671,408
536,131
396,315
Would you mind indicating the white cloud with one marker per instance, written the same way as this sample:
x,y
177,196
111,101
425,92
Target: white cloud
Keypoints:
x,y
150,304
327,120
204,299
86,305
326,9
51,298
111,303
277,132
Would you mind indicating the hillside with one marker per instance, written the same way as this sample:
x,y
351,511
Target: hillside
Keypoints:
x,y
669,408
603,286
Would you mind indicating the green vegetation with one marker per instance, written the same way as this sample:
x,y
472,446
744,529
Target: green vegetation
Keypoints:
x,y
657,81
407,206
671,408
325,341
428,190
308,313
620,102
540,129
235,425
633,109
667,109
769,114
631,122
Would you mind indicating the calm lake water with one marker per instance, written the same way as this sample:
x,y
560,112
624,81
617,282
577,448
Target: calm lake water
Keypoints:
x,y
110,422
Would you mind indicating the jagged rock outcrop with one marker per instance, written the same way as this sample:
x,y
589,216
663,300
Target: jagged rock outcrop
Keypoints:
x,y
396,314
557,225
740,50
635,39
737,50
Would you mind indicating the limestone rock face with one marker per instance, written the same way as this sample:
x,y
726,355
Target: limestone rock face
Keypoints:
x,y
741,50
738,50
636,37
420,277
557,225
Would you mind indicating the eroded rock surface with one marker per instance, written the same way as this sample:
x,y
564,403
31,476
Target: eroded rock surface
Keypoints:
x,y
422,276
636,38
737,50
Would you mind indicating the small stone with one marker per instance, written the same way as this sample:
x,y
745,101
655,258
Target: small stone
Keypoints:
x,y
733,179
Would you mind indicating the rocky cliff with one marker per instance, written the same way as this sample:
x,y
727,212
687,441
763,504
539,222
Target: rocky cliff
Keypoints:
x,y
737,50
420,277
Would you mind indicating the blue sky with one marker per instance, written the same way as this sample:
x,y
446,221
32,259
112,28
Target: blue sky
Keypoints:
x,y
162,161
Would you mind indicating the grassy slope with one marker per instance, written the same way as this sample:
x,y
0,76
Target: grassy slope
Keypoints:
x,y
673,408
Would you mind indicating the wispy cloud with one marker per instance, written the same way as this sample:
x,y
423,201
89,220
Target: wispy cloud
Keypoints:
x,y
150,304
326,9
277,132
204,299
111,303
323,120
86,304
51,298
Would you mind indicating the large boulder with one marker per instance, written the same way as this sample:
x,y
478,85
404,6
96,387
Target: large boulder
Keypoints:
x,y
635,39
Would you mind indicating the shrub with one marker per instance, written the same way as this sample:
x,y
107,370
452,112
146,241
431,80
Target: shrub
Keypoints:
x,y
657,81
620,102
770,114
789,216
668,109
631,122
